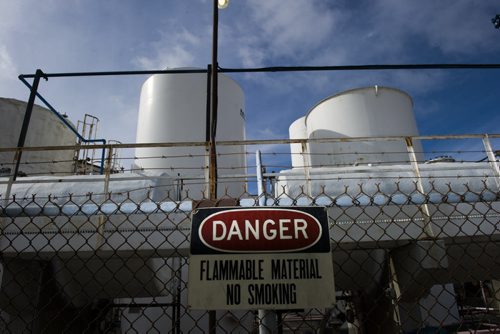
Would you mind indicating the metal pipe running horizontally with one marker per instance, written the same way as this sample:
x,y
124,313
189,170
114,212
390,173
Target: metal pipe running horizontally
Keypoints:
x,y
53,210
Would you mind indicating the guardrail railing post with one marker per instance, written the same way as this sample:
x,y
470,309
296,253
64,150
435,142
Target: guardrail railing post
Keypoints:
x,y
306,160
491,159
420,186
102,218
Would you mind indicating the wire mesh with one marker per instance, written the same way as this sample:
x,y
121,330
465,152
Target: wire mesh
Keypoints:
x,y
415,247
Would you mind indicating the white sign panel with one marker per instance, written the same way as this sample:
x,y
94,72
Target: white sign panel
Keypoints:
x,y
260,258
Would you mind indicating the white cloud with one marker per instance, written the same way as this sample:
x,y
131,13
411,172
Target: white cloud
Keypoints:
x,y
176,56
177,48
264,33
7,66
250,57
268,133
294,28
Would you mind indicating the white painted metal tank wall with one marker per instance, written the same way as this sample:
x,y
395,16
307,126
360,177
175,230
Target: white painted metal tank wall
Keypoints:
x,y
364,112
45,129
173,109
298,130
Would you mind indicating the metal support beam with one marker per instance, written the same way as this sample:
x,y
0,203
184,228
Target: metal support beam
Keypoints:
x,y
214,102
26,122
212,168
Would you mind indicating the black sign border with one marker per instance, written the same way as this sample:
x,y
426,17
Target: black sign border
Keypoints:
x,y
319,212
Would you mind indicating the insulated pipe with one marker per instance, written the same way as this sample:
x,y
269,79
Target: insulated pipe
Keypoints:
x,y
53,210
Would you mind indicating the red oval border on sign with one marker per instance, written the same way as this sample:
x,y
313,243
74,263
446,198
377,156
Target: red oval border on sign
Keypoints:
x,y
260,230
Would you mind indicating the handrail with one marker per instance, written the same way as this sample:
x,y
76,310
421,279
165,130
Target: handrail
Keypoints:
x,y
256,142
68,124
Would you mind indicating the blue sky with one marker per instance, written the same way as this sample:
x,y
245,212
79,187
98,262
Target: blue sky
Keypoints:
x,y
96,35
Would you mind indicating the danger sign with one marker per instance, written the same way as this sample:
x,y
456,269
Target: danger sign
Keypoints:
x,y
265,258
259,230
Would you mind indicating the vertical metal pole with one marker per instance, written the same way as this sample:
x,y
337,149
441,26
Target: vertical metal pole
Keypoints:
x,y
22,136
208,133
176,298
178,307
212,316
260,179
108,170
213,109
172,287
394,284
268,320
173,313
26,122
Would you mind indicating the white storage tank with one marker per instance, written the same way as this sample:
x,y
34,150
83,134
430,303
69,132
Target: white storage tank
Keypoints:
x,y
173,109
45,129
297,130
364,112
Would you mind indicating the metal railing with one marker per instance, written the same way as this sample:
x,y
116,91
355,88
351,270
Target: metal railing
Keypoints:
x,y
414,245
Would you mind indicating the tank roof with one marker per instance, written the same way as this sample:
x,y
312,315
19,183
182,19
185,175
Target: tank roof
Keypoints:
x,y
375,87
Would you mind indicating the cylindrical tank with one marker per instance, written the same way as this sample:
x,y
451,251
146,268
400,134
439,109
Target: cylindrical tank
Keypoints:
x,y
297,130
45,129
364,112
173,109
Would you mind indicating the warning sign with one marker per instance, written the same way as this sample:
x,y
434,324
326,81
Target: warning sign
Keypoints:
x,y
260,258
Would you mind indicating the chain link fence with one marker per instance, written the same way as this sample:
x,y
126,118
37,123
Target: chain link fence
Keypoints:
x,y
415,244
